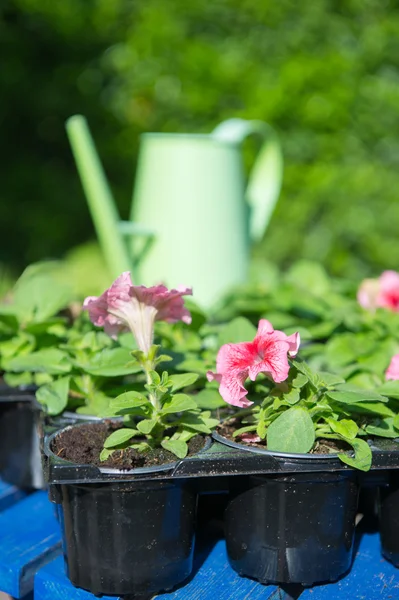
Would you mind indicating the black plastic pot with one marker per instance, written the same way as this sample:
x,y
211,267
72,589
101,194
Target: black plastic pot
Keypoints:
x,y
130,536
20,461
389,518
292,528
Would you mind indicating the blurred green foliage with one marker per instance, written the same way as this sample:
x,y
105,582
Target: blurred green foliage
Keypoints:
x,y
324,73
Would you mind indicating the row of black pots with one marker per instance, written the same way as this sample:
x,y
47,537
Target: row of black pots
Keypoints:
x,y
286,519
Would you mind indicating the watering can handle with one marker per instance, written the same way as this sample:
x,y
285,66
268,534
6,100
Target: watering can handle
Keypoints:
x,y
267,173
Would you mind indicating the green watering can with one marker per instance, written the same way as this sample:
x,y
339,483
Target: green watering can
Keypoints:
x,y
192,220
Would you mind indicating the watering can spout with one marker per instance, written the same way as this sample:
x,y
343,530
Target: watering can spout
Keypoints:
x,y
265,179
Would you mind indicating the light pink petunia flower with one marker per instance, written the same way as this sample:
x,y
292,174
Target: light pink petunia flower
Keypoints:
x,y
126,306
267,354
392,371
380,293
250,438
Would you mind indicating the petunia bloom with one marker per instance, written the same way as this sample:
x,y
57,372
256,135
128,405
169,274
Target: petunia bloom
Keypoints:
x,y
380,293
392,371
126,306
267,354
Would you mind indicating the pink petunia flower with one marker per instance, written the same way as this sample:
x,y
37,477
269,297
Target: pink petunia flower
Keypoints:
x,y
126,306
250,438
380,293
392,371
267,354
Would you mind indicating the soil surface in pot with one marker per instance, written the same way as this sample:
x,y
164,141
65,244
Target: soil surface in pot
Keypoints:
x,y
83,445
321,446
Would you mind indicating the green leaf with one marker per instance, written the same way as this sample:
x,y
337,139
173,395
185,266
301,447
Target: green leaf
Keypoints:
x,y
146,425
390,389
128,400
345,427
196,423
210,399
49,360
38,295
181,381
238,330
300,380
303,368
96,405
329,379
355,395
21,344
396,422
17,379
292,397
105,454
120,436
363,455
293,431
178,403
54,395
375,408
383,428
177,447
347,348
111,362
246,429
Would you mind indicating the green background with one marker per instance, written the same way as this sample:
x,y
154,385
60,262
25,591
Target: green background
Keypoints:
x,y
324,73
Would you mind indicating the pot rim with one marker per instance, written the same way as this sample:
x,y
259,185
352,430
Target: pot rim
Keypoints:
x,y
223,440
107,470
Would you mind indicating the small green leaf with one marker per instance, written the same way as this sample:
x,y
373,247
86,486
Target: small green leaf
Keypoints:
x,y
353,396
300,380
303,368
330,380
105,454
181,381
376,408
363,456
210,399
345,427
292,397
293,431
120,436
177,447
17,379
129,399
242,430
111,362
390,389
49,360
54,395
146,425
178,403
196,423
396,422
383,428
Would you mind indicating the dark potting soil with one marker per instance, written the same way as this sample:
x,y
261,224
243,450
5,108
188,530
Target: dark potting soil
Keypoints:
x,y
322,446
83,445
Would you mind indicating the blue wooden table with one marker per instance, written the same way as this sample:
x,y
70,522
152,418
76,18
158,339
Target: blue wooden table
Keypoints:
x,y
31,565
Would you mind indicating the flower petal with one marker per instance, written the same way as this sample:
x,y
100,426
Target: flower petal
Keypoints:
x,y
294,341
233,391
393,370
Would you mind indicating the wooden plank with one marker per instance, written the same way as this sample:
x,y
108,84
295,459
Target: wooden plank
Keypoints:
x,y
371,577
215,579
30,537
51,583
9,495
